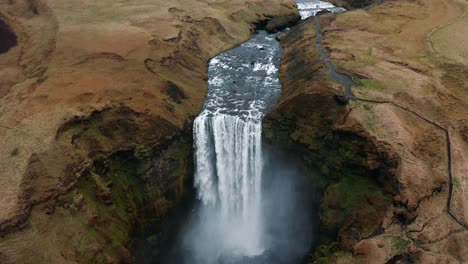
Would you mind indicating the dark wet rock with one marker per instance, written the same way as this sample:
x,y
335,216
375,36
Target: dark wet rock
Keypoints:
x,y
278,23
362,75
341,99
7,37
353,4
321,12
175,93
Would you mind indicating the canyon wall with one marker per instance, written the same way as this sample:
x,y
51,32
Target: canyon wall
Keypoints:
x,y
392,158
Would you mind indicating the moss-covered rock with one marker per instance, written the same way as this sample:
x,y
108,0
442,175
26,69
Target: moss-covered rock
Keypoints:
x,y
356,168
117,198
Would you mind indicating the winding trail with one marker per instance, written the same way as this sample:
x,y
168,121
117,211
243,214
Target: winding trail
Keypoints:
x,y
341,78
347,81
429,43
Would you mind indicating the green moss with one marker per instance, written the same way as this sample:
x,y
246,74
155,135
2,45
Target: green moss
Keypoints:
x,y
328,253
399,244
325,170
127,188
333,149
141,152
88,135
355,202
373,84
370,57
367,107
371,117
112,222
456,182
354,189
279,130
353,198
346,152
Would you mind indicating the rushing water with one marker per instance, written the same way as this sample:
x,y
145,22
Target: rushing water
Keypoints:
x,y
243,85
308,8
255,205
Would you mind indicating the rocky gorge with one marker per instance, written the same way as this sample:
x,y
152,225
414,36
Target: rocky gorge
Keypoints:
x,y
96,133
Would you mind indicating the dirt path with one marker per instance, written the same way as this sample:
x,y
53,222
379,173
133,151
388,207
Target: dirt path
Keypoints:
x,y
348,82
341,78
430,43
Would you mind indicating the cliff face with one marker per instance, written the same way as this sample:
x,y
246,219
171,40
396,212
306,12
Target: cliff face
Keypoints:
x,y
96,101
393,158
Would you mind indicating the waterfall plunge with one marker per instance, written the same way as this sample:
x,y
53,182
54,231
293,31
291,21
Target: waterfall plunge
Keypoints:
x,y
243,86
231,228
228,178
242,217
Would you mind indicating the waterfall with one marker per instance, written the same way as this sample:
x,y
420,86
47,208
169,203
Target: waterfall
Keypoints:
x,y
308,8
243,86
228,176
256,204
231,224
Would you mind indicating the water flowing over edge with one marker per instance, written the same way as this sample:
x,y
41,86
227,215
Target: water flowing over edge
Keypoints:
x,y
308,8
243,87
229,171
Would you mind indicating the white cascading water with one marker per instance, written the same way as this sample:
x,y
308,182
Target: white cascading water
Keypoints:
x,y
228,176
308,8
243,85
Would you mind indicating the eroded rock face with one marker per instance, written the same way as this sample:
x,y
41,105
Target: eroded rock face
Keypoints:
x,y
389,158
356,166
92,97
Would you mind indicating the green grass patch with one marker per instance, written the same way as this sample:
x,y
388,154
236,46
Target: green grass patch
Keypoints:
x,y
456,182
353,189
373,84
367,107
353,194
328,253
371,125
426,56
370,60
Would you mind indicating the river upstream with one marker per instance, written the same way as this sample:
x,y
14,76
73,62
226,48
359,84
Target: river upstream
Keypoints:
x,y
249,207
254,205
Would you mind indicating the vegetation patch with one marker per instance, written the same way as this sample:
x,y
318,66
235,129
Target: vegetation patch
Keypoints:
x,y
111,217
328,253
399,244
354,204
456,182
371,84
175,93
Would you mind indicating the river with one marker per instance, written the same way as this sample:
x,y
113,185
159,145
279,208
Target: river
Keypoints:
x,y
254,205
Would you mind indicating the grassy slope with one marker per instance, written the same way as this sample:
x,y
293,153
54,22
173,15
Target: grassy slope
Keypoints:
x,y
90,80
